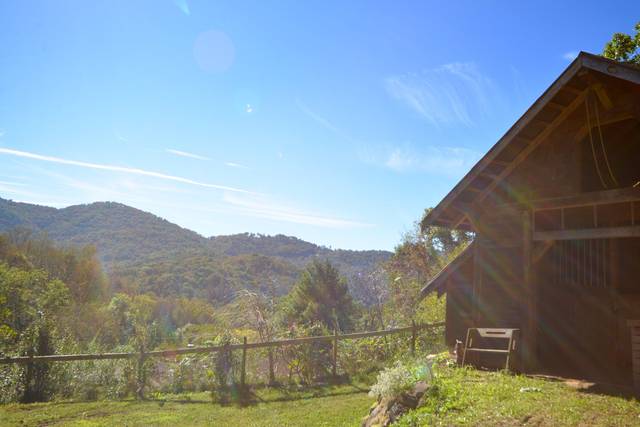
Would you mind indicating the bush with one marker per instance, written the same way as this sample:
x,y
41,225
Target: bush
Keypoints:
x,y
309,361
400,378
93,379
192,373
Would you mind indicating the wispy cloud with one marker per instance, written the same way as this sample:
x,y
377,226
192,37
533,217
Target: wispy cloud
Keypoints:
x,y
114,168
236,165
317,117
15,184
2,132
11,190
183,6
44,203
186,154
119,136
440,160
434,160
261,207
456,93
571,55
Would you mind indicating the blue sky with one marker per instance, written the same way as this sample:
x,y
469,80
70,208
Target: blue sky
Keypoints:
x,y
334,121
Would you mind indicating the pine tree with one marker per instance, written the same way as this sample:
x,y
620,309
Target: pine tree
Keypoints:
x,y
321,296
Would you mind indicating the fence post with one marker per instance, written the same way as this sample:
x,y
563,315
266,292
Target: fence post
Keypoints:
x,y
413,337
272,374
335,353
244,362
141,375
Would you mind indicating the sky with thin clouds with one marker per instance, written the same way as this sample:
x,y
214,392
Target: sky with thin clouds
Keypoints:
x,y
336,122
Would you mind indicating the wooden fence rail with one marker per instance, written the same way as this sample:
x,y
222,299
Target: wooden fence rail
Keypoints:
x,y
194,350
141,356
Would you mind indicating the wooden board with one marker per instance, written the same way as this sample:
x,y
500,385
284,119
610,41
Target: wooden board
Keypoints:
x,y
634,328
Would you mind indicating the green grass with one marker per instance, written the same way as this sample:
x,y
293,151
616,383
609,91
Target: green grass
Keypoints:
x,y
471,397
457,397
342,405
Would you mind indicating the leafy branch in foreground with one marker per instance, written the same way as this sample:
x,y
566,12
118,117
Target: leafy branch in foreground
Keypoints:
x,y
624,47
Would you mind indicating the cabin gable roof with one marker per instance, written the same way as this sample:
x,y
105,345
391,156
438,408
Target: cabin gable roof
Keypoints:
x,y
561,99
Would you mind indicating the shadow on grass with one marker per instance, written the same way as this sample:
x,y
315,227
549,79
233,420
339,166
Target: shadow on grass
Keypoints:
x,y
287,394
271,394
592,386
615,390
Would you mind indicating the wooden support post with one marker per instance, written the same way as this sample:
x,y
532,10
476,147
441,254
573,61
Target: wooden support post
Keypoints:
x,y
477,282
413,337
272,375
244,362
140,375
530,292
634,326
335,353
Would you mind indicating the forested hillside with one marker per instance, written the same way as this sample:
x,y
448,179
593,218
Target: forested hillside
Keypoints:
x,y
120,233
145,253
203,275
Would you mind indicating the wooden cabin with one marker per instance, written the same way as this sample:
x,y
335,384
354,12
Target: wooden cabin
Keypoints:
x,y
555,208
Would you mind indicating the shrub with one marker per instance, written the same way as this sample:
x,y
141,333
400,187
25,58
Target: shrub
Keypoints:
x,y
93,379
400,378
192,373
309,361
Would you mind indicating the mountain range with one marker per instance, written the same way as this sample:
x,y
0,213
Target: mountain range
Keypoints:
x,y
142,251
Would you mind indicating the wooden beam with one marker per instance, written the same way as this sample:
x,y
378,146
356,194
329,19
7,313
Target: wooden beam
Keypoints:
x,y
489,175
458,222
543,122
556,105
584,129
603,96
461,207
621,195
526,138
540,251
500,162
531,336
611,68
573,90
477,283
588,233
532,146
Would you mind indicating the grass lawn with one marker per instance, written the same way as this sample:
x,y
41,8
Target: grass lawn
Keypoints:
x,y
457,397
471,397
342,405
